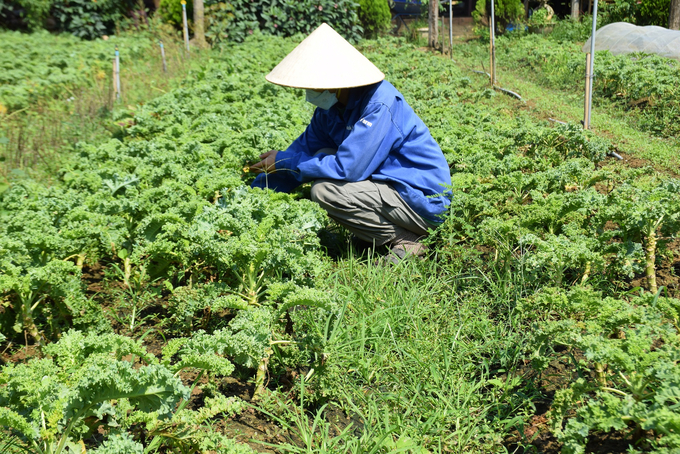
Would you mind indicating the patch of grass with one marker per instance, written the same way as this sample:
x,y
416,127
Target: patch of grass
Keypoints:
x,y
608,119
425,354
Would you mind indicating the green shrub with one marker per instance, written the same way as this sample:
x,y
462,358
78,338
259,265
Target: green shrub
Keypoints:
x,y
506,11
89,19
171,11
235,20
649,12
83,18
374,15
35,12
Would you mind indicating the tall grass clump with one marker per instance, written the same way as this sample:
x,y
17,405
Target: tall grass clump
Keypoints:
x,y
424,355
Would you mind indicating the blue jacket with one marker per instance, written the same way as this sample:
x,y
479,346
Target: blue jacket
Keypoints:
x,y
379,137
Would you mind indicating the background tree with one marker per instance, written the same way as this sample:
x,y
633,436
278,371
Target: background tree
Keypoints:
x,y
674,19
199,24
433,23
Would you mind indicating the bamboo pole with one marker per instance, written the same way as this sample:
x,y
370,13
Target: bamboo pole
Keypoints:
x,y
185,24
492,26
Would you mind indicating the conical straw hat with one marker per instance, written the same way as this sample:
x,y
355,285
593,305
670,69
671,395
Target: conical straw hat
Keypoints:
x,y
324,61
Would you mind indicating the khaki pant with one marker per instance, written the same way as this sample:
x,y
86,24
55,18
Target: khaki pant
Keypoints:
x,y
373,211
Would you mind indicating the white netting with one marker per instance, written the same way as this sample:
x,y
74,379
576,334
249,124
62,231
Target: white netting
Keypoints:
x,y
624,38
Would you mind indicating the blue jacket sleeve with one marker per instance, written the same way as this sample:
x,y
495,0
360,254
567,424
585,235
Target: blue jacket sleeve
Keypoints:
x,y
312,140
360,154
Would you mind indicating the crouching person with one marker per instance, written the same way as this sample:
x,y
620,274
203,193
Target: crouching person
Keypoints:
x,y
375,166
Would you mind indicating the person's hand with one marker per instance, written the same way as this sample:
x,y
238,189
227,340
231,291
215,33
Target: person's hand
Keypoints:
x,y
268,163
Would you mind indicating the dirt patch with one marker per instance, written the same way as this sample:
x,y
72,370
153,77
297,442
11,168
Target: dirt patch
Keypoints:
x,y
16,354
93,277
537,435
252,428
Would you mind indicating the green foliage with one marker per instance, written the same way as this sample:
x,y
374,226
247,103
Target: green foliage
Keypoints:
x,y
426,354
171,11
540,17
89,382
375,16
42,64
119,444
649,12
82,18
237,19
85,378
243,340
35,12
168,203
642,84
630,349
506,11
87,19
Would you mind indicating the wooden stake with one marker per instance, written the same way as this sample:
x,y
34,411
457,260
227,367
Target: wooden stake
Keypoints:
x,y
186,25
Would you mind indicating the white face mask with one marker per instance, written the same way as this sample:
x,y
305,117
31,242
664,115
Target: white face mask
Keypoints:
x,y
324,100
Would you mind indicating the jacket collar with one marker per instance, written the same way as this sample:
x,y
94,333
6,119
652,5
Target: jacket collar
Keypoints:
x,y
357,94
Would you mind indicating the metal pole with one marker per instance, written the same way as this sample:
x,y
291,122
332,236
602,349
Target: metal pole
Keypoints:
x,y
113,78
592,63
451,29
186,26
586,104
165,65
492,24
117,75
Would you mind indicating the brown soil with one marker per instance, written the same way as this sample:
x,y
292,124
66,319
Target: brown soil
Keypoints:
x,y
637,163
18,354
93,277
537,436
255,428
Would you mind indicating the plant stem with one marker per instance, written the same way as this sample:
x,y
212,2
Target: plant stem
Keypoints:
x,y
586,273
127,269
261,374
600,373
650,255
27,319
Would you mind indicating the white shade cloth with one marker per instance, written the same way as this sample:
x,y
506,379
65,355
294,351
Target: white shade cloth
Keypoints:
x,y
624,38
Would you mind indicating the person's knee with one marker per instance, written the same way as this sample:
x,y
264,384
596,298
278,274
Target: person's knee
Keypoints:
x,y
322,192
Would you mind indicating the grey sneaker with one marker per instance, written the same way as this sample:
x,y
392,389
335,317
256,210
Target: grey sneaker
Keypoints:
x,y
405,245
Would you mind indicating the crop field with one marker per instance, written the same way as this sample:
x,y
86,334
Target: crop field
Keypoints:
x,y
151,301
42,64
